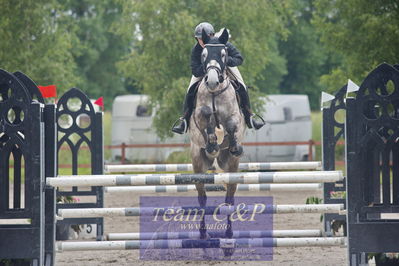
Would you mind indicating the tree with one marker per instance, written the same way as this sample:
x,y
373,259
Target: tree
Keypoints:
x,y
307,58
97,48
33,42
163,38
363,32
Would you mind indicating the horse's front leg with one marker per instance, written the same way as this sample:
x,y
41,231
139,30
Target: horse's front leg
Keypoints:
x,y
231,166
232,128
231,189
201,164
212,147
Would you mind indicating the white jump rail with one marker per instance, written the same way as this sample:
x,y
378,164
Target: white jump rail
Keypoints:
x,y
213,234
192,211
210,243
130,168
215,188
179,179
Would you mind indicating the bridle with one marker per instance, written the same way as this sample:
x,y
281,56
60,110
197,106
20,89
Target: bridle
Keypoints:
x,y
215,67
218,70
221,77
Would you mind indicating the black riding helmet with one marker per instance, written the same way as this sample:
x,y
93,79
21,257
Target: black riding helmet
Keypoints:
x,y
203,26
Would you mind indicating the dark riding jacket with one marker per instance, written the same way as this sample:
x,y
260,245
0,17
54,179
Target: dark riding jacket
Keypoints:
x,y
234,58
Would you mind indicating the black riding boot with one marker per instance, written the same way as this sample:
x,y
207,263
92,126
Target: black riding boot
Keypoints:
x,y
181,125
246,109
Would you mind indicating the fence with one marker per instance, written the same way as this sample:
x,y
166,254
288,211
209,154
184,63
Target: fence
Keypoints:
x,y
123,146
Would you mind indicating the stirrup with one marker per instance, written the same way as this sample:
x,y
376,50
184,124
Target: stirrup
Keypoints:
x,y
256,127
184,123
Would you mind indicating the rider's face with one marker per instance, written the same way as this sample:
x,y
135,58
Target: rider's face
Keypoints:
x,y
201,42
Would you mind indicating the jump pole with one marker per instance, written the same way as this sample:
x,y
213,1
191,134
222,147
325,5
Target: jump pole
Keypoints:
x,y
213,234
198,211
215,188
126,168
178,179
196,243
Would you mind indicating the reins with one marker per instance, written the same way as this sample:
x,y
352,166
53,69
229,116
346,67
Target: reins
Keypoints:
x,y
214,94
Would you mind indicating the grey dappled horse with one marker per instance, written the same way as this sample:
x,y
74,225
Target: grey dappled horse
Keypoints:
x,y
217,125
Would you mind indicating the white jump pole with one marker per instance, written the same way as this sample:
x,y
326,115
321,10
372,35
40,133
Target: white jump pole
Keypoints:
x,y
126,168
213,234
178,179
210,243
215,188
191,211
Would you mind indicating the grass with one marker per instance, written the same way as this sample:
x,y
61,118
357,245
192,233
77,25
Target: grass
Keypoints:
x,y
107,128
316,136
316,132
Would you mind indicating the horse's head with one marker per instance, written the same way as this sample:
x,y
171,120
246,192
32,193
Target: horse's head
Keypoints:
x,y
214,59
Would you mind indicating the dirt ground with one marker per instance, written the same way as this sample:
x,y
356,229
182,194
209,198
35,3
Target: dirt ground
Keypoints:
x,y
282,256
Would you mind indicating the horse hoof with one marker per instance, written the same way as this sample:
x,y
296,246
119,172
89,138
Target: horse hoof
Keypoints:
x,y
228,252
212,148
237,151
204,235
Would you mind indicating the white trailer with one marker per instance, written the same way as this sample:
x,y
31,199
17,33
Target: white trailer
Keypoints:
x,y
288,118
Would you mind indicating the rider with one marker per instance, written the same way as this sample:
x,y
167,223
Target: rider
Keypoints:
x,y
234,59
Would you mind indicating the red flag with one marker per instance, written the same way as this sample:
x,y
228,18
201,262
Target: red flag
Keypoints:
x,y
100,102
48,91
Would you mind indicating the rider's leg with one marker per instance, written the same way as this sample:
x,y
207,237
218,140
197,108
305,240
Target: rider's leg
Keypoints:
x,y
250,120
181,125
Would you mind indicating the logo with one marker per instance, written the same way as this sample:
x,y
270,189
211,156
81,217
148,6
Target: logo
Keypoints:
x,y
177,228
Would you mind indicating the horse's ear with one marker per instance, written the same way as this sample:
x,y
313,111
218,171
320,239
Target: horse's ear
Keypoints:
x,y
205,38
224,37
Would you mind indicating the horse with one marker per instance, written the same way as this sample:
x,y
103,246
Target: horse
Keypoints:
x,y
217,126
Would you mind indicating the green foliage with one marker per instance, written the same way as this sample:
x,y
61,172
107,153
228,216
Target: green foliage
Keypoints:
x,y
64,42
33,42
307,58
179,157
111,47
363,32
97,47
272,75
315,200
163,38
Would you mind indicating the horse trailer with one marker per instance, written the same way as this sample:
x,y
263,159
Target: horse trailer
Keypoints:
x,y
287,116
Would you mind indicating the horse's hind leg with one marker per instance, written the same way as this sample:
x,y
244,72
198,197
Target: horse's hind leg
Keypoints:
x,y
201,163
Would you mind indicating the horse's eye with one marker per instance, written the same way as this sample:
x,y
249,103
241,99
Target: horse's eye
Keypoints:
x,y
204,54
